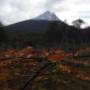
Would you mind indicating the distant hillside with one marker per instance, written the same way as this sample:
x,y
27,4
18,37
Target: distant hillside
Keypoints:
x,y
31,26
47,34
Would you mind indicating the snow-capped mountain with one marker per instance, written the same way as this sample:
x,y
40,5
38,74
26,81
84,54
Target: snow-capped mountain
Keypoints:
x,y
47,16
38,24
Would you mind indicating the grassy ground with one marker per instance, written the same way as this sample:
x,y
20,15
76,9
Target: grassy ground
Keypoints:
x,y
30,69
56,76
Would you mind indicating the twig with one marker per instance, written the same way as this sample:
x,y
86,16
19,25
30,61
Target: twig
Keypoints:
x,y
34,76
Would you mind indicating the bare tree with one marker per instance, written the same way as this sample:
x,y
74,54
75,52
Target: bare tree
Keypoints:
x,y
77,23
2,34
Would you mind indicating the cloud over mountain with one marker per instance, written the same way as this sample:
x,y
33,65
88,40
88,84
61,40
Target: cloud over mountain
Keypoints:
x,y
12,11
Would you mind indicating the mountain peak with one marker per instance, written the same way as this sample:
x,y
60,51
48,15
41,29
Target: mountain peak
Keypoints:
x,y
50,16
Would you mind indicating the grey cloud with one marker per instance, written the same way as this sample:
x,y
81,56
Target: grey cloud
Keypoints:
x,y
51,3
12,11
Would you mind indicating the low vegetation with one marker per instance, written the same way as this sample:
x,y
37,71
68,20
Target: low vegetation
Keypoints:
x,y
45,69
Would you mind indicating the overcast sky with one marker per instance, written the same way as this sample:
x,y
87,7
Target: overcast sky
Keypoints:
x,y
12,11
